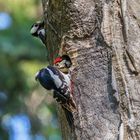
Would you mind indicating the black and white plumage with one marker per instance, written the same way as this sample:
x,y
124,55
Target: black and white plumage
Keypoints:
x,y
38,30
53,79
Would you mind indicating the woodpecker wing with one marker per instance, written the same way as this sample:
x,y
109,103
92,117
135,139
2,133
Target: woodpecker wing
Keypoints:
x,y
51,78
62,81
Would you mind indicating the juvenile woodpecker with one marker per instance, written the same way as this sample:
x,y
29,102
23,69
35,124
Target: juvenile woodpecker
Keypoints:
x,y
53,79
38,30
63,63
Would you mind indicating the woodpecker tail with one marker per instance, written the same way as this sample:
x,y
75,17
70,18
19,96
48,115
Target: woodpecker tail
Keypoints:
x,y
69,117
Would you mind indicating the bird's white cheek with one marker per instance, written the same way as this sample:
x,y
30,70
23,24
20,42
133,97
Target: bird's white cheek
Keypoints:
x,y
33,30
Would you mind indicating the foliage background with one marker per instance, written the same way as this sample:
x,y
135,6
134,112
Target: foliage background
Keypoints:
x,y
21,56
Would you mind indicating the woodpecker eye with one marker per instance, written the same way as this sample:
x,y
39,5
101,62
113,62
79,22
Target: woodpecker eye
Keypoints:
x,y
36,25
57,64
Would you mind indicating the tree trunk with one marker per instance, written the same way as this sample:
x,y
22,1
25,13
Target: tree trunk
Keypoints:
x,y
102,38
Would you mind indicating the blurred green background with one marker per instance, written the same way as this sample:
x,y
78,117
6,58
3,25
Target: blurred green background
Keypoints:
x,y
27,112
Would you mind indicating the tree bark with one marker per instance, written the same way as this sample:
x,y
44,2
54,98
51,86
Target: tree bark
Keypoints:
x,y
102,39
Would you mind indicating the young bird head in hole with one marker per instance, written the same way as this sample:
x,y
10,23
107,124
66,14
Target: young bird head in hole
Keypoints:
x,y
63,63
38,30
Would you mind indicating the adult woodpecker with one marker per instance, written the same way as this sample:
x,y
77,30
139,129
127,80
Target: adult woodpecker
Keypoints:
x,y
63,63
53,79
38,30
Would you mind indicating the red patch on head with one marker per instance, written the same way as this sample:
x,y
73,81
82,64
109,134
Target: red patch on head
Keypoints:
x,y
57,60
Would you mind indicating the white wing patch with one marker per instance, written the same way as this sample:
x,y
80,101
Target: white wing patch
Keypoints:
x,y
56,78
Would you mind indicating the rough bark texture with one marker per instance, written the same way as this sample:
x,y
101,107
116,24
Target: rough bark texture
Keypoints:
x,y
102,39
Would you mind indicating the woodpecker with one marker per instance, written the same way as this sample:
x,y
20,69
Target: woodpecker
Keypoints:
x,y
38,30
63,63
53,79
